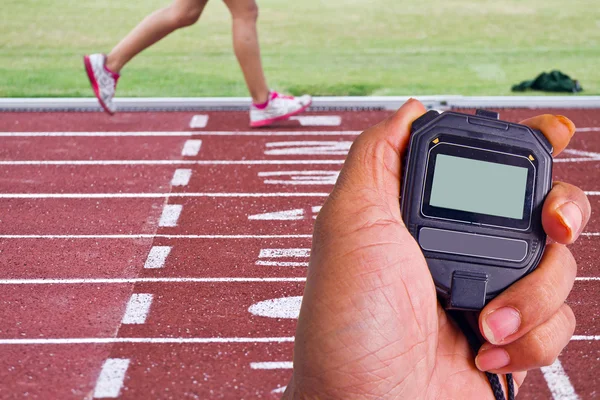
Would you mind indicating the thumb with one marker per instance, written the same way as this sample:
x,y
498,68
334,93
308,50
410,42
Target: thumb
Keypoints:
x,y
373,165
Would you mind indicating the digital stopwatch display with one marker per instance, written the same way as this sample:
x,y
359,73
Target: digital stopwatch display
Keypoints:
x,y
465,183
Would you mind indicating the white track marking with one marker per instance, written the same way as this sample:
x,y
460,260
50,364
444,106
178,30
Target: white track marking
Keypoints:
x,y
582,337
316,210
181,177
279,253
173,162
111,378
142,280
137,309
300,177
285,307
595,129
185,133
150,195
282,263
587,278
318,120
286,215
279,389
585,156
70,341
328,148
592,193
170,215
191,148
165,340
199,121
149,236
272,365
558,382
283,253
590,234
157,257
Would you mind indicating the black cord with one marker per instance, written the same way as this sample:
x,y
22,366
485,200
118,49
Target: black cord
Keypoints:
x,y
467,322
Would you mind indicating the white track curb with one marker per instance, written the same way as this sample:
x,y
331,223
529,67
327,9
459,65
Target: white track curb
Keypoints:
x,y
380,102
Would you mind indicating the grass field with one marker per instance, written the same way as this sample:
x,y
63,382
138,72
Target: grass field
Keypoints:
x,y
351,47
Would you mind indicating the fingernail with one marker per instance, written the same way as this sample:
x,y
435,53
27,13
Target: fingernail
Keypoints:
x,y
500,324
495,358
570,217
567,122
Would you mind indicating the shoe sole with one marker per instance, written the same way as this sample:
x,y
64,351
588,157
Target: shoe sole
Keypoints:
x,y
266,122
90,73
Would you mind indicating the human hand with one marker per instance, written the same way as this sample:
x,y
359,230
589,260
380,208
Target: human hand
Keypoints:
x,y
370,326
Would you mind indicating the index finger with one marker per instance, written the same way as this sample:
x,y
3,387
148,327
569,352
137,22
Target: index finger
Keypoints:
x,y
558,129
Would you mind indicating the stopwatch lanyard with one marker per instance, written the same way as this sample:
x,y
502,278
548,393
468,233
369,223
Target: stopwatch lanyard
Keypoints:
x,y
467,322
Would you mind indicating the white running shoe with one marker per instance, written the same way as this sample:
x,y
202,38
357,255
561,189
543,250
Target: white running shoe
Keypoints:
x,y
278,108
103,80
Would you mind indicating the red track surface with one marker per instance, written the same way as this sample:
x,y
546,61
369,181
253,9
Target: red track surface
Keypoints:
x,y
227,217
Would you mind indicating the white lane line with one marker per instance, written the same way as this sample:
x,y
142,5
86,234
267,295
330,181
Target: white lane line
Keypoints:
x,y
142,280
148,340
149,236
173,162
199,121
318,147
166,340
590,234
575,160
137,309
191,148
73,281
170,215
188,133
151,195
279,389
558,382
157,257
272,365
591,129
318,120
587,278
111,378
181,177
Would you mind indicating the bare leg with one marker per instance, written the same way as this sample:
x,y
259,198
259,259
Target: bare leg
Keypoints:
x,y
154,27
244,14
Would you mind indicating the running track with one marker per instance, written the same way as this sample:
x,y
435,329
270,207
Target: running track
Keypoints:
x,y
139,257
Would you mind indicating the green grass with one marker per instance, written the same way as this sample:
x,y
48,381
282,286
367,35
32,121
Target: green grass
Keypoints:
x,y
350,47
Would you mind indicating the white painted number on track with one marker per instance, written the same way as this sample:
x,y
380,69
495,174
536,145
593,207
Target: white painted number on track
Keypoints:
x,y
191,148
328,148
299,177
199,121
111,378
558,382
318,120
157,257
285,215
285,307
137,309
283,257
170,215
272,365
181,177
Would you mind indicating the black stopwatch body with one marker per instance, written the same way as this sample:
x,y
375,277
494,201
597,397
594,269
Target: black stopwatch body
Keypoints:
x,y
472,198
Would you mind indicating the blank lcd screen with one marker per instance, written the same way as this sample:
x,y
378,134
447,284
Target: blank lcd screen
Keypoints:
x,y
478,186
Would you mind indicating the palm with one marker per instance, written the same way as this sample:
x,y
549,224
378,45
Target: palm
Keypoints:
x,y
382,333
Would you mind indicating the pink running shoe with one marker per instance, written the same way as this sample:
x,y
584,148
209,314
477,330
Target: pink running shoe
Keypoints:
x,y
103,80
277,108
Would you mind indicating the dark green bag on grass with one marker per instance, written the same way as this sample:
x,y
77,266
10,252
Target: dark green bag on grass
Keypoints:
x,y
555,81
